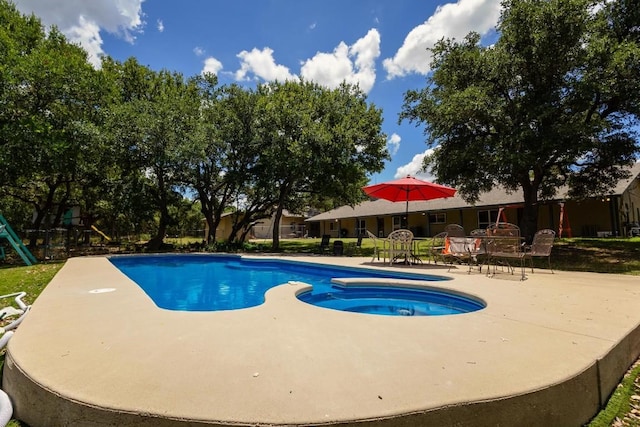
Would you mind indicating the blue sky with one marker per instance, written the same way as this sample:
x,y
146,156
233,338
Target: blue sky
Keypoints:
x,y
378,44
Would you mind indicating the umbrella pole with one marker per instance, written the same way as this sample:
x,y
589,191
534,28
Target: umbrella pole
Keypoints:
x,y
406,211
406,215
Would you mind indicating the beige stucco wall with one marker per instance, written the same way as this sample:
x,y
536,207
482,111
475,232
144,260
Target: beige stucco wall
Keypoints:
x,y
583,218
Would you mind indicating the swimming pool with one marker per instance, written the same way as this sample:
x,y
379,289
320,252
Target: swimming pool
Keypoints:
x,y
224,282
392,301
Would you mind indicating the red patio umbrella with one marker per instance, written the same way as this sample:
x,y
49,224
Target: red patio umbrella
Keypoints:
x,y
408,189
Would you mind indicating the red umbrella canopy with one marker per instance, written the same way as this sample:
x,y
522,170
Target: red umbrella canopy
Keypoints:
x,y
408,189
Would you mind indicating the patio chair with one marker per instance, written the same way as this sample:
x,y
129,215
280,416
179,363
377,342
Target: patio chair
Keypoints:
x,y
437,247
541,246
503,229
376,249
400,242
324,244
454,230
461,249
479,235
354,248
502,244
478,232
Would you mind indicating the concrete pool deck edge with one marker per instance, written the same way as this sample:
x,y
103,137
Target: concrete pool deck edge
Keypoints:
x,y
549,351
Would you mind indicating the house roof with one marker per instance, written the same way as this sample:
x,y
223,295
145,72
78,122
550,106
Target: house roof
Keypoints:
x,y
496,197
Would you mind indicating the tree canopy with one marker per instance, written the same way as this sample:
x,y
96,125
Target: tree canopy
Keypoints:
x,y
553,102
134,147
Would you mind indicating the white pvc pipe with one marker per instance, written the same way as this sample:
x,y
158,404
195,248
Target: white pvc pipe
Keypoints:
x,y
5,339
24,307
6,409
18,299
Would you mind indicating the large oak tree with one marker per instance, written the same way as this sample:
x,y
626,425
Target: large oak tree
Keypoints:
x,y
318,143
49,117
553,102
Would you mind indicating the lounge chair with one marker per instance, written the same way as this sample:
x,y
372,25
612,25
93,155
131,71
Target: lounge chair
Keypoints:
x,y
354,248
324,244
541,246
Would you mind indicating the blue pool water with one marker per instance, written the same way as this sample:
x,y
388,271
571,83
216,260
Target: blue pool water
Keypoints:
x,y
392,301
210,283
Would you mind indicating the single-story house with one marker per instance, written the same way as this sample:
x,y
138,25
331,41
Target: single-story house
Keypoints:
x,y
613,214
291,225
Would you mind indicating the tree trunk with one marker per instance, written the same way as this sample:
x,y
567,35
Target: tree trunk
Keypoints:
x,y
37,221
275,245
156,242
285,188
42,213
165,219
529,221
207,211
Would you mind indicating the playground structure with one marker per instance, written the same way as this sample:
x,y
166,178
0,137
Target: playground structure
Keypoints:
x,y
7,233
65,242
94,228
55,243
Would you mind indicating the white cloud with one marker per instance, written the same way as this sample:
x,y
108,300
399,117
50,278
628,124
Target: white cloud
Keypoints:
x,y
393,143
198,51
354,64
212,65
414,168
87,34
160,25
81,21
261,64
452,20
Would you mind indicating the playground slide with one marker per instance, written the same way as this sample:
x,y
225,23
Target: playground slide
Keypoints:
x,y
94,228
6,232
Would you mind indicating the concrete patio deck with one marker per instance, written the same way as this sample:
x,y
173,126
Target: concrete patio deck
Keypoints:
x,y
545,351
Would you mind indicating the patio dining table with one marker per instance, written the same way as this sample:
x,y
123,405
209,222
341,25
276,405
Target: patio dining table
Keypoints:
x,y
499,249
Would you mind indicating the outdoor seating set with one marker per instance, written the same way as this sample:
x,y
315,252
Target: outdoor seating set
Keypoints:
x,y
399,246
499,245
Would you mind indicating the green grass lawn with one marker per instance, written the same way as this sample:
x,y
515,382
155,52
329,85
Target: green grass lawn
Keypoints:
x,y
580,254
621,256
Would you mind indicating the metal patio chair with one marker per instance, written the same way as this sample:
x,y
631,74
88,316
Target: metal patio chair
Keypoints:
x,y
400,242
437,247
503,244
541,246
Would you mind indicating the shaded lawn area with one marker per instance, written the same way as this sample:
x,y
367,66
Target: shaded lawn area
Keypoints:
x,y
609,255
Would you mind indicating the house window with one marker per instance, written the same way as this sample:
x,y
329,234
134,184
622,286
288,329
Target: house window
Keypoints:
x,y
487,217
361,227
437,218
397,223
